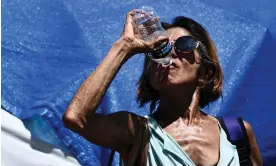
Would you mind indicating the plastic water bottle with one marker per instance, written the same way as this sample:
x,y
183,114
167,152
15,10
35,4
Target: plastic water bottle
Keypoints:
x,y
148,26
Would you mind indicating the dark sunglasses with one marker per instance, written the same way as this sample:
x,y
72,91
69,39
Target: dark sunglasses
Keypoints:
x,y
188,44
185,45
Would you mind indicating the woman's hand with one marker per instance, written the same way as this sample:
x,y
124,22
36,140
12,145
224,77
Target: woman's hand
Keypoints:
x,y
131,37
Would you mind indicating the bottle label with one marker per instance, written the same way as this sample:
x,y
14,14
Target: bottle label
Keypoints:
x,y
162,52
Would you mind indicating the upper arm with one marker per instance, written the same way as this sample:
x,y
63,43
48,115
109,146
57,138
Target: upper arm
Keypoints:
x,y
255,155
115,131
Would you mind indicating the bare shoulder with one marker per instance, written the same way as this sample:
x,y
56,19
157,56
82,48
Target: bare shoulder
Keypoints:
x,y
121,121
250,133
116,130
249,129
255,155
129,120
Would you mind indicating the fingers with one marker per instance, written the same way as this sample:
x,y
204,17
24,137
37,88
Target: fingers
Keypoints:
x,y
145,30
129,21
128,25
129,16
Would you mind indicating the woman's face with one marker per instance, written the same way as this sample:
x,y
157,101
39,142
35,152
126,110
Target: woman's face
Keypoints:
x,y
184,69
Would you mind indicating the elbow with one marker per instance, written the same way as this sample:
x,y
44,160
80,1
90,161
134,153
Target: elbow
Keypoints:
x,y
72,121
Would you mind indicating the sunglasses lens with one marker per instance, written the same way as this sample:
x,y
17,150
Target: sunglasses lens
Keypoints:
x,y
185,44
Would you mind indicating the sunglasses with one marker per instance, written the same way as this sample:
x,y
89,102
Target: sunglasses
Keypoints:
x,y
183,45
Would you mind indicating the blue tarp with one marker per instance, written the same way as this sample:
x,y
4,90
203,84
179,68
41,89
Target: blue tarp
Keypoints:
x,y
50,47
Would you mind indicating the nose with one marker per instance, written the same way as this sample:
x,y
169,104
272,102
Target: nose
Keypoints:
x,y
173,52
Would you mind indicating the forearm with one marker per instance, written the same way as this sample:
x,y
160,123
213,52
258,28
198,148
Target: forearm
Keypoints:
x,y
92,90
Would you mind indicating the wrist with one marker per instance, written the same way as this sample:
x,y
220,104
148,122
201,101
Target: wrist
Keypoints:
x,y
125,46
121,49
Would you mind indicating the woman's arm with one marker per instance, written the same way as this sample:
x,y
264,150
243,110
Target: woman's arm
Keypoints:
x,y
255,155
104,130
117,130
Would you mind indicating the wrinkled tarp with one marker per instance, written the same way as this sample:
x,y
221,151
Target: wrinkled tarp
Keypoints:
x,y
50,47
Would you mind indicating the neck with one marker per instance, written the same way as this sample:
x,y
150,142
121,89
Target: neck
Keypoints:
x,y
174,105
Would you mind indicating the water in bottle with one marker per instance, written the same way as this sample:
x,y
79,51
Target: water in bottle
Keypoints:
x,y
148,26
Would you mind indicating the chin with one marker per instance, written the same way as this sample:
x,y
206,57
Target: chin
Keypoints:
x,y
175,82
171,80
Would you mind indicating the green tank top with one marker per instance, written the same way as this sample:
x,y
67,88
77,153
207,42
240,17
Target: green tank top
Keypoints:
x,y
165,151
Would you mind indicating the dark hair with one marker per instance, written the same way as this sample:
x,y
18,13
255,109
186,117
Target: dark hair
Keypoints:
x,y
210,87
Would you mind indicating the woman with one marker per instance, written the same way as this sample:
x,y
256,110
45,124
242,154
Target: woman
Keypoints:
x,y
177,132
